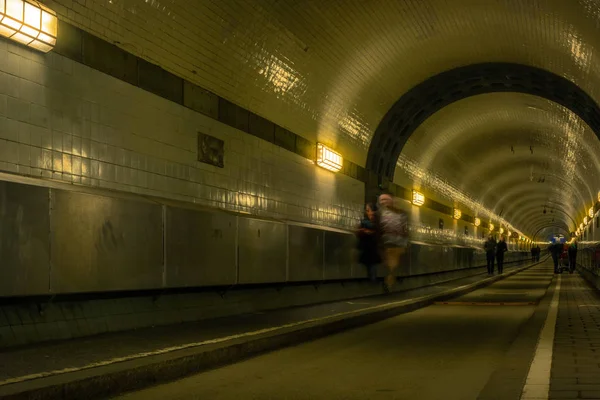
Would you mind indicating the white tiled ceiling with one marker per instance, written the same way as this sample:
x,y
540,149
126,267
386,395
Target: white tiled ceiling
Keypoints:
x,y
514,153
330,69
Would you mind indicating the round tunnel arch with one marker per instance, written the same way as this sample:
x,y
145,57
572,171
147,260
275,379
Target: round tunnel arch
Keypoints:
x,y
433,94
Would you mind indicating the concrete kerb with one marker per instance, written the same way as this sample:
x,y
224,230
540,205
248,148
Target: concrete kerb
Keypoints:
x,y
127,374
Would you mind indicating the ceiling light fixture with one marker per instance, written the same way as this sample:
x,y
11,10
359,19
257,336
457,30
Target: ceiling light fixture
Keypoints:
x,y
28,22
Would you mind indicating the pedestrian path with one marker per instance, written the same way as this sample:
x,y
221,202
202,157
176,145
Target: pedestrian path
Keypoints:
x,y
576,355
129,359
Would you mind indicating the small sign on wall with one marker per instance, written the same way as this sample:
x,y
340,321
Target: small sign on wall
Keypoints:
x,y
211,150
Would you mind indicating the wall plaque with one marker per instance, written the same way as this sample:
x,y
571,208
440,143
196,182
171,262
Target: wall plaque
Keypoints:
x,y
211,150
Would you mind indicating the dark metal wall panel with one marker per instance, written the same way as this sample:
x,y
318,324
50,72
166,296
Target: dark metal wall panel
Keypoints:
x,y
262,251
201,248
339,255
24,239
305,253
426,259
105,243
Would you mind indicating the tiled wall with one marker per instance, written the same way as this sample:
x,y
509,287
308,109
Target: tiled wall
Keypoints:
x,y
62,120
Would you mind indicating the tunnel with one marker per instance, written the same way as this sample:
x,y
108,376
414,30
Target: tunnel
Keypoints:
x,y
353,199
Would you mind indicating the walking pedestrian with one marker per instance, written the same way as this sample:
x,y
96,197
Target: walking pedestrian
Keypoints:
x,y
393,225
368,243
501,248
490,252
572,256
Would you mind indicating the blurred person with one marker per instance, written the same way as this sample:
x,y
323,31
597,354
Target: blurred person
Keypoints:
x,y
490,252
368,241
556,250
393,226
572,251
501,248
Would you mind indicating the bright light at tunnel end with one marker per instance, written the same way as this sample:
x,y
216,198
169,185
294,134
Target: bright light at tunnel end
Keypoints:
x,y
28,22
418,199
329,159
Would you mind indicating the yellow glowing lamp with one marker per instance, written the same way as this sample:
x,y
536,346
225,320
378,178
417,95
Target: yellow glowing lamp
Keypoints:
x,y
457,213
501,230
477,222
329,159
508,233
28,22
491,227
585,220
581,226
418,199
591,212
598,195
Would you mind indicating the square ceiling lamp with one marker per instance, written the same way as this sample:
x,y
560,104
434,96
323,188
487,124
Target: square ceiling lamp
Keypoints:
x,y
28,22
457,213
418,199
329,159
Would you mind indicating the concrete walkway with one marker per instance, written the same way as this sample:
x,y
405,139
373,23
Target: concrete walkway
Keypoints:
x,y
98,367
450,350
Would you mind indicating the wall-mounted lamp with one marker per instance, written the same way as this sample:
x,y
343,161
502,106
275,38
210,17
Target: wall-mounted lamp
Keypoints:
x,y
508,233
457,213
418,199
329,159
28,22
599,195
591,212
501,230
585,220
491,227
477,222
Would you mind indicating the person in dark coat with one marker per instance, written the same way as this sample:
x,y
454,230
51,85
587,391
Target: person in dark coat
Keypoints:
x,y
556,249
572,251
490,252
368,242
501,248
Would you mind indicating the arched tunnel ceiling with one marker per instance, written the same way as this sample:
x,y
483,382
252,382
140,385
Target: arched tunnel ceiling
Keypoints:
x,y
513,153
330,70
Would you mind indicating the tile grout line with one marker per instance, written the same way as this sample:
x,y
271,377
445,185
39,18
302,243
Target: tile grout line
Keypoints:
x,y
537,385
